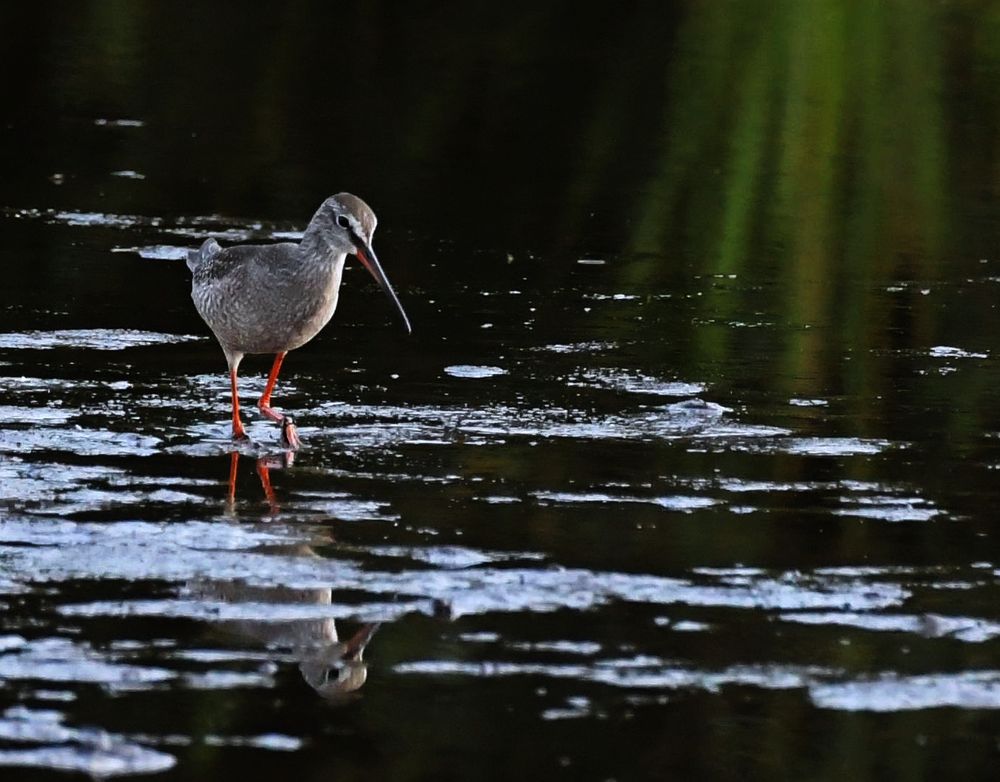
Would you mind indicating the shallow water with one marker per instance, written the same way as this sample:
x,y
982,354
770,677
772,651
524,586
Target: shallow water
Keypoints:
x,y
689,467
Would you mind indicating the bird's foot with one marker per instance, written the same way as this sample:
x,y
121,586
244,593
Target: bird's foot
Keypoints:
x,y
264,405
289,434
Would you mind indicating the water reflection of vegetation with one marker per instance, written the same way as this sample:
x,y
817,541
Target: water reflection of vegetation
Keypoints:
x,y
805,147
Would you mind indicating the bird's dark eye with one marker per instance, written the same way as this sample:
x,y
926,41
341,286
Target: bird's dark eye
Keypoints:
x,y
343,222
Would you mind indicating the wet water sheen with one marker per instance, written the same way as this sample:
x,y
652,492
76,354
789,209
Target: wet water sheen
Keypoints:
x,y
689,468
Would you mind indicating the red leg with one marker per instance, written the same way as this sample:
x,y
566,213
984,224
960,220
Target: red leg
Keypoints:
x,y
239,433
265,400
289,435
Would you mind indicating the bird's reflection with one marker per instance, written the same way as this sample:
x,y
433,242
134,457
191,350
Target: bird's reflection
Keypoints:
x,y
333,668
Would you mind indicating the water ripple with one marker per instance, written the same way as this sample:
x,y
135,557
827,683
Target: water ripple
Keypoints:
x,y
90,339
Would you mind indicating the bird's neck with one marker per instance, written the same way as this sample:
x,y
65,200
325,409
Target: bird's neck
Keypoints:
x,y
317,249
321,265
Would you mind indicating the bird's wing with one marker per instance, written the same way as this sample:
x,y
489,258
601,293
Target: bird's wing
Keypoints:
x,y
257,261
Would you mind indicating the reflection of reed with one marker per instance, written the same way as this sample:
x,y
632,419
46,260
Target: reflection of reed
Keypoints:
x,y
802,143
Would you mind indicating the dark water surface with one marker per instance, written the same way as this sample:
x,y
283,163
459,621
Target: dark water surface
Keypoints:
x,y
689,468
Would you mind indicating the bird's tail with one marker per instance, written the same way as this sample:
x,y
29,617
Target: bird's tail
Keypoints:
x,y
197,257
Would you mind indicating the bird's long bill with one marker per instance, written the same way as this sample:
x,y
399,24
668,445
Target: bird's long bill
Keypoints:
x,y
367,257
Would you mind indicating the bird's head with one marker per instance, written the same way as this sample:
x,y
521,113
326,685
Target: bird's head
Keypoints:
x,y
347,224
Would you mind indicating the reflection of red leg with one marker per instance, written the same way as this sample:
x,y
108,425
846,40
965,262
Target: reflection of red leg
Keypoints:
x,y
234,460
264,471
289,434
239,433
264,465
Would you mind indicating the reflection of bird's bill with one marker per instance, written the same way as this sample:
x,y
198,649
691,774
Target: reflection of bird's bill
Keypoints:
x,y
368,258
355,645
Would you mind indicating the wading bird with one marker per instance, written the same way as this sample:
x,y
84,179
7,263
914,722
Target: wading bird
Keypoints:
x,y
272,298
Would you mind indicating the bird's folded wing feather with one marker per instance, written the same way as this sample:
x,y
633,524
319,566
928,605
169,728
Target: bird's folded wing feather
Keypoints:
x,y
196,259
